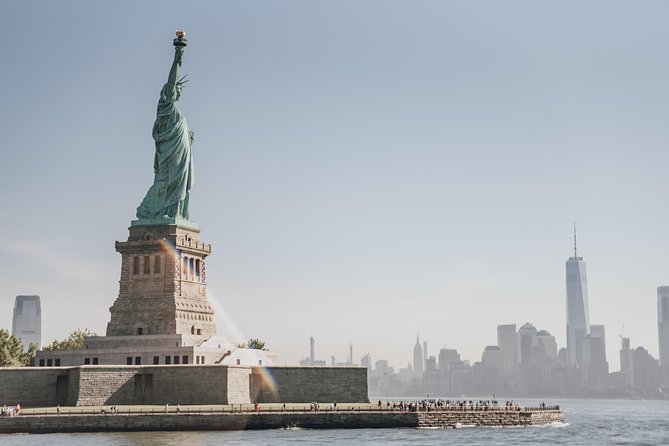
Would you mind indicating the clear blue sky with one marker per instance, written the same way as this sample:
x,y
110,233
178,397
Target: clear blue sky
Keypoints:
x,y
364,170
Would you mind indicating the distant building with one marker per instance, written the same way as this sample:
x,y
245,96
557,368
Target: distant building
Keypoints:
x,y
447,357
507,342
417,359
311,360
405,374
493,357
525,336
598,331
663,324
460,378
645,371
578,323
594,355
424,355
27,321
312,343
640,371
381,366
488,374
537,359
366,361
432,378
382,380
544,348
562,356
594,360
626,361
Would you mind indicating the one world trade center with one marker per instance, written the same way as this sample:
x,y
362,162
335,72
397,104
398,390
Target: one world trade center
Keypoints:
x,y
578,323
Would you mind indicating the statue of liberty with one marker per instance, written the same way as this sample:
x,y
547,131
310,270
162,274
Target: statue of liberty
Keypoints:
x,y
173,163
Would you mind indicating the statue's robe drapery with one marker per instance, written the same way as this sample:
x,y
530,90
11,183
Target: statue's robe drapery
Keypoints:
x,y
173,164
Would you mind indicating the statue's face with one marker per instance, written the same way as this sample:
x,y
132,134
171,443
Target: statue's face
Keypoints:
x,y
178,91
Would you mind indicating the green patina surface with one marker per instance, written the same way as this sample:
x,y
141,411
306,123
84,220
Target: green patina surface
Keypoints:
x,y
169,194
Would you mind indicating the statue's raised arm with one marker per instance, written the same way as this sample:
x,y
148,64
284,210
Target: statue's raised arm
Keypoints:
x,y
169,195
179,45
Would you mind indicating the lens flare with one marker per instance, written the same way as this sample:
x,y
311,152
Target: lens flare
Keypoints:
x,y
265,385
168,248
264,382
224,319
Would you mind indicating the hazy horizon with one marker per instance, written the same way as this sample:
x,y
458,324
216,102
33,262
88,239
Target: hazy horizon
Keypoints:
x,y
364,170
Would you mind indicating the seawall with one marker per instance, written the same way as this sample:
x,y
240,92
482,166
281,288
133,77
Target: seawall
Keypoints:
x,y
186,384
275,420
489,418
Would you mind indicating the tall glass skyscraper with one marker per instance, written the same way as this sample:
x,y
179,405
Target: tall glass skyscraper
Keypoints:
x,y
578,322
27,321
663,324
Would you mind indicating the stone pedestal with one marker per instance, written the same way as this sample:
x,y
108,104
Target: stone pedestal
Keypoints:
x,y
161,315
163,289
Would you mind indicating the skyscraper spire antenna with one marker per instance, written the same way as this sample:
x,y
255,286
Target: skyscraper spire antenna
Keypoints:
x,y
575,254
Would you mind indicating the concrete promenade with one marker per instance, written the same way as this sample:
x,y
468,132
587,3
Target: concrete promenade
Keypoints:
x,y
365,415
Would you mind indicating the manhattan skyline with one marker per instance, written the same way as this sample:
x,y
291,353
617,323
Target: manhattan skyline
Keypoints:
x,y
363,171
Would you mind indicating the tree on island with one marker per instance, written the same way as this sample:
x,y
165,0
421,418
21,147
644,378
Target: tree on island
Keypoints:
x,y
255,344
11,351
75,341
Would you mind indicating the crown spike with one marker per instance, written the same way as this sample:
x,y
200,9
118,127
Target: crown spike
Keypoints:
x,y
183,80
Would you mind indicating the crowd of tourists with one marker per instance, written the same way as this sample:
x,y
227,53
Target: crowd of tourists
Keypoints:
x,y
439,404
10,411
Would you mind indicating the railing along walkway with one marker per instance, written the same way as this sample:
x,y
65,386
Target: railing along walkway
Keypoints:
x,y
250,409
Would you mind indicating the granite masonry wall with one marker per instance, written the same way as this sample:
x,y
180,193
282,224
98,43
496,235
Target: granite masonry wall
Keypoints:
x,y
113,385
307,384
273,420
34,386
218,422
503,418
186,384
544,417
239,385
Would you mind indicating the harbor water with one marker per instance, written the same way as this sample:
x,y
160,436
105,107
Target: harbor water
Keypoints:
x,y
589,422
